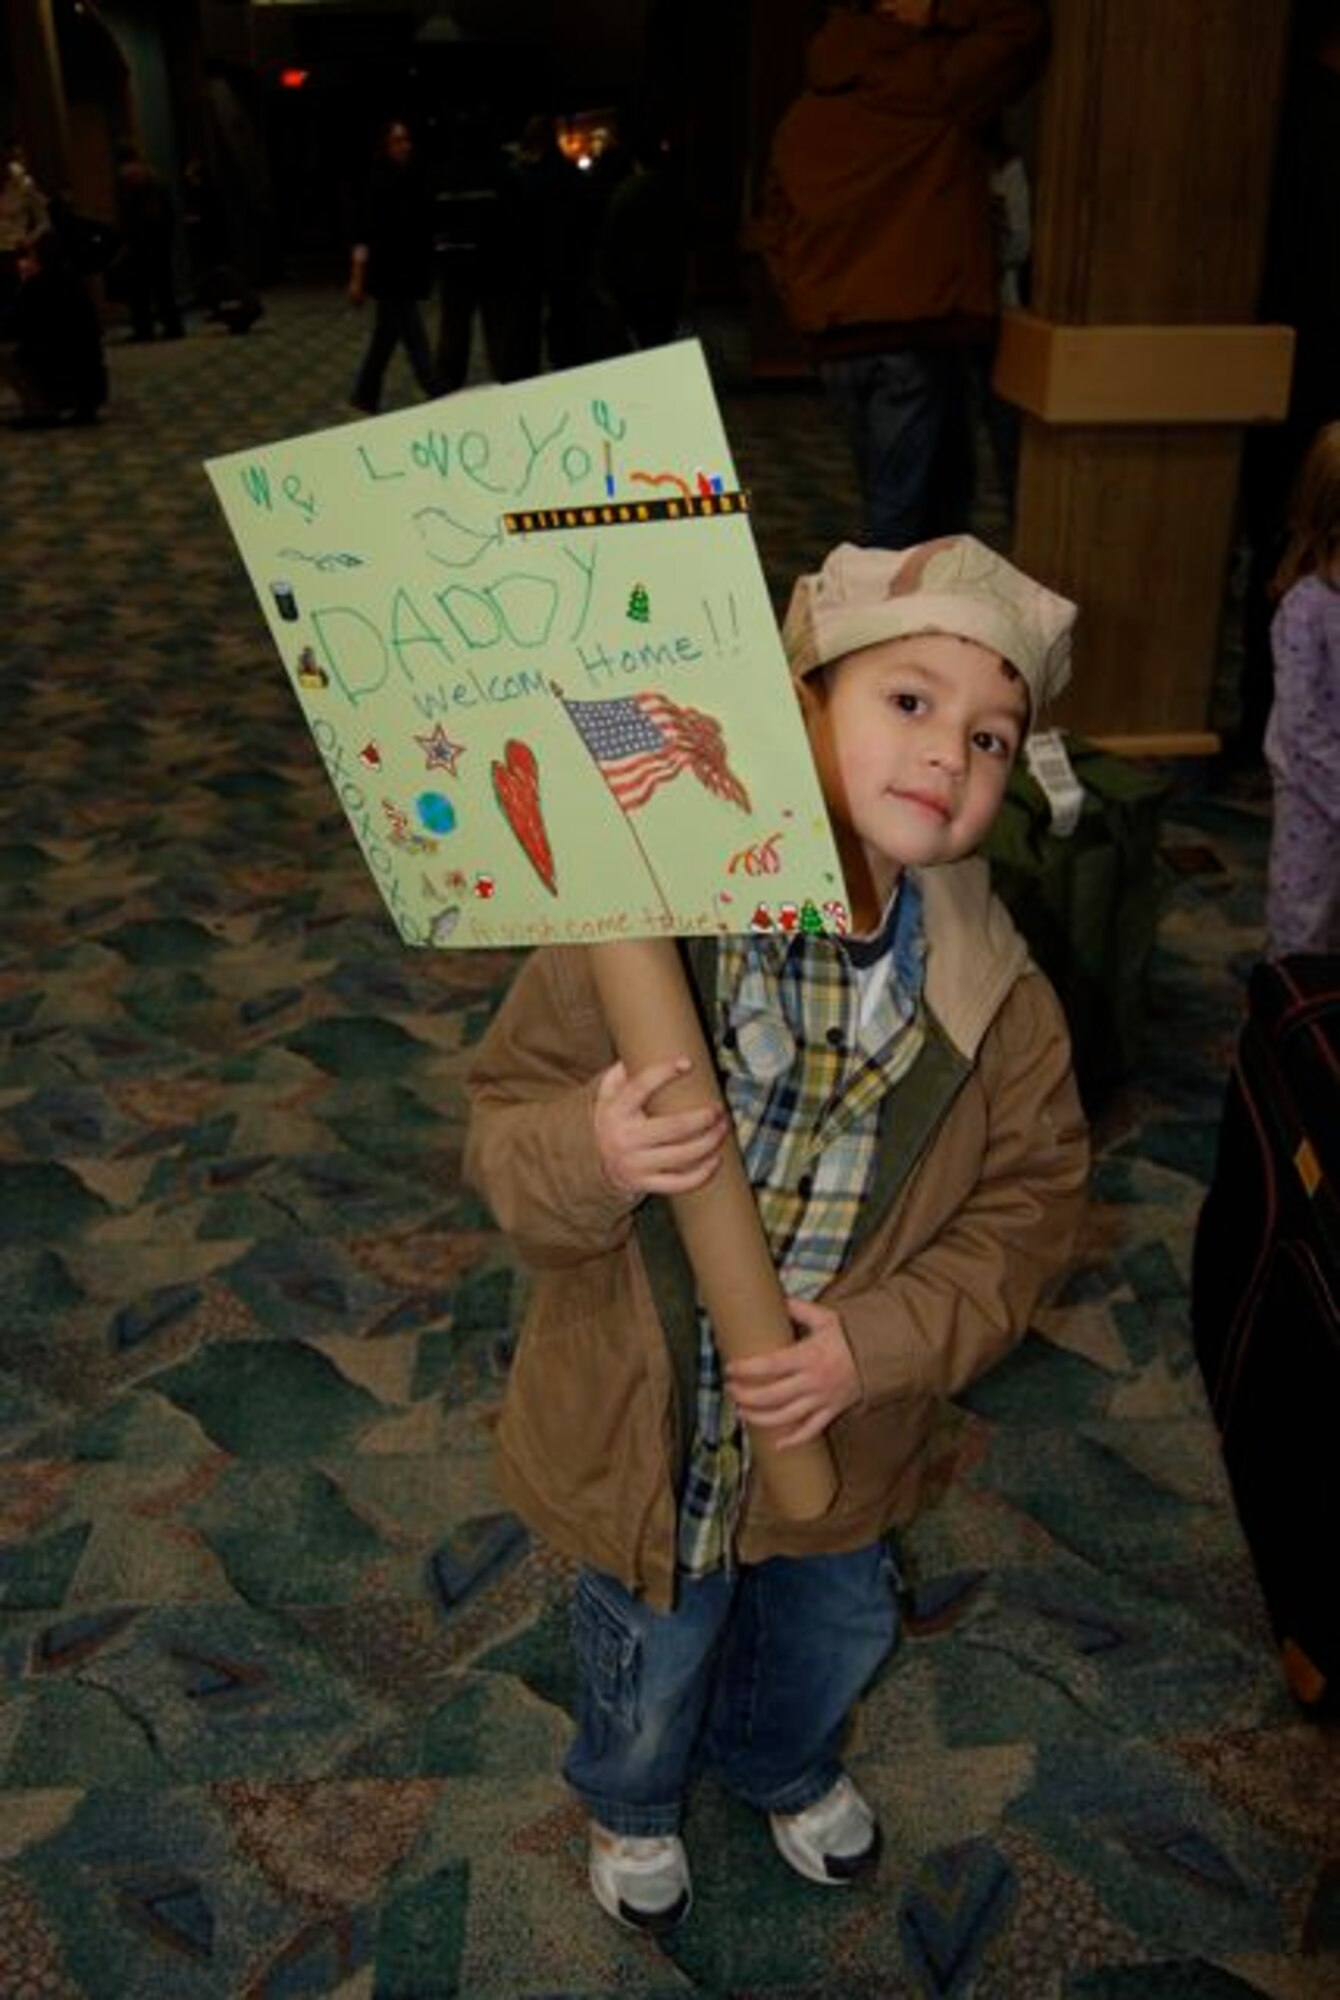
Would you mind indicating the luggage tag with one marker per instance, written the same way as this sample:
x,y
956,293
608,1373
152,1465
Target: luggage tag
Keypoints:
x,y
1052,770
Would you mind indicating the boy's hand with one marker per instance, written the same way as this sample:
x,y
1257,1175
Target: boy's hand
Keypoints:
x,y
646,1153
798,1391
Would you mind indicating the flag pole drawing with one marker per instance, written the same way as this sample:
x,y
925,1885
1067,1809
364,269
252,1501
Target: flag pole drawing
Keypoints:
x,y
640,742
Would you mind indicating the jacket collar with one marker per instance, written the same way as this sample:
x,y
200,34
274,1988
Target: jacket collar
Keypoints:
x,y
974,953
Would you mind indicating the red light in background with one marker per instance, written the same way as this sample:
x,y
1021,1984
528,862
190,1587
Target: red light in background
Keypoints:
x,y
293,79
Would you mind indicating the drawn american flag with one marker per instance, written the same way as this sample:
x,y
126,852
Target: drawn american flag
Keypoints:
x,y
641,741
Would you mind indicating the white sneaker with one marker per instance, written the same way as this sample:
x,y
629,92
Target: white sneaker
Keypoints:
x,y
638,1880
834,1840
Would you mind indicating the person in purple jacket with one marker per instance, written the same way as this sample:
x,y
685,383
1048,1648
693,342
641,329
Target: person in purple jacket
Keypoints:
x,y
1302,742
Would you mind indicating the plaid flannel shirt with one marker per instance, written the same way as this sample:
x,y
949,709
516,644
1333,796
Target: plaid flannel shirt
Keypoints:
x,y
812,1036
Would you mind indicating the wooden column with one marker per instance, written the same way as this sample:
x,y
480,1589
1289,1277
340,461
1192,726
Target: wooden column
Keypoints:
x,y
1137,365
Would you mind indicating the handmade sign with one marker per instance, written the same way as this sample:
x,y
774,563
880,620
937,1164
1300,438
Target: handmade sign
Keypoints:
x,y
531,637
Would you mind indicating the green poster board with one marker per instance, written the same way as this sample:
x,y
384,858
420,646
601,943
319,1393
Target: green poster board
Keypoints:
x,y
530,635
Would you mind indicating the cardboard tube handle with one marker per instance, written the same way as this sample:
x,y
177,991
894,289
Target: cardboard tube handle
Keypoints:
x,y
651,1015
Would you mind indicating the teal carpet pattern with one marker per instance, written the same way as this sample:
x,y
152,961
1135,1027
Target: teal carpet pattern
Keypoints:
x,y
285,1689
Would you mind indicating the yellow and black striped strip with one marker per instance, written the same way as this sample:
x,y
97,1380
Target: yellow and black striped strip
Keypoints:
x,y
626,513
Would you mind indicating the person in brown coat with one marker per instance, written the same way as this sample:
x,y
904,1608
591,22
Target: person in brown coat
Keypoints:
x,y
877,228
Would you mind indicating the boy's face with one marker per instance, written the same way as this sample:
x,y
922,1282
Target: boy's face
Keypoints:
x,y
914,740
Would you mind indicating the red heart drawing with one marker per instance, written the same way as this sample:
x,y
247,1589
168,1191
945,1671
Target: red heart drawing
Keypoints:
x,y
516,786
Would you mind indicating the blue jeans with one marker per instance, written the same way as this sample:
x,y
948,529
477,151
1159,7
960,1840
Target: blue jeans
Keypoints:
x,y
908,417
753,1672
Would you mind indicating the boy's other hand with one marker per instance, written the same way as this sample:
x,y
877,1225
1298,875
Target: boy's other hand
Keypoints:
x,y
799,1390
645,1152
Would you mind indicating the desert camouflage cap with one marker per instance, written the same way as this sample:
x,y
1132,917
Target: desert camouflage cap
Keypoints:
x,y
956,585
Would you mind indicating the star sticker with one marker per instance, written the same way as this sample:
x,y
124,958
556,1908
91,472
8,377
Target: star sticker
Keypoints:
x,y
440,753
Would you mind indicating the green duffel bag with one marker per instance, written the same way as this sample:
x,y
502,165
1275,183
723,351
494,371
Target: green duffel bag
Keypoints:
x,y
1088,902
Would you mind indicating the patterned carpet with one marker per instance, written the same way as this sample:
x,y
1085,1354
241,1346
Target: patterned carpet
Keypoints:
x,y
285,1690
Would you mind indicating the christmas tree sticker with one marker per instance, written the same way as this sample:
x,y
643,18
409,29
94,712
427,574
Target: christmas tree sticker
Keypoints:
x,y
639,604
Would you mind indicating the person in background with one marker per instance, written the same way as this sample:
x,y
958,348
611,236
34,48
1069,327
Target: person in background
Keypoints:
x,y
877,227
147,220
392,263
582,322
534,171
90,242
23,218
905,1105
644,238
56,365
1302,737
467,228
208,237
1300,288
221,289
492,245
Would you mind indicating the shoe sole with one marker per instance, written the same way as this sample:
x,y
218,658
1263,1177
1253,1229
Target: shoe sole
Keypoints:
x,y
650,1922
834,1871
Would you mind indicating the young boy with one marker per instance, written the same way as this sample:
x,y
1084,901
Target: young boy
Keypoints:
x,y
904,1102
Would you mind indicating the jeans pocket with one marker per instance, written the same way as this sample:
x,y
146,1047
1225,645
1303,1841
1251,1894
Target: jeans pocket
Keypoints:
x,y
609,1657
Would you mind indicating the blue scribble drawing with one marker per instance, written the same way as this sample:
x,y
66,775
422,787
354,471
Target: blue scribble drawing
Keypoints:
x,y
334,559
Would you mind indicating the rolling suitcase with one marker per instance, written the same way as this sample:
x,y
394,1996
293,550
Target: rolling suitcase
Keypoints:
x,y
1265,1305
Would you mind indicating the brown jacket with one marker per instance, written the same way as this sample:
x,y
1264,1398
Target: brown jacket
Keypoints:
x,y
876,217
978,1190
